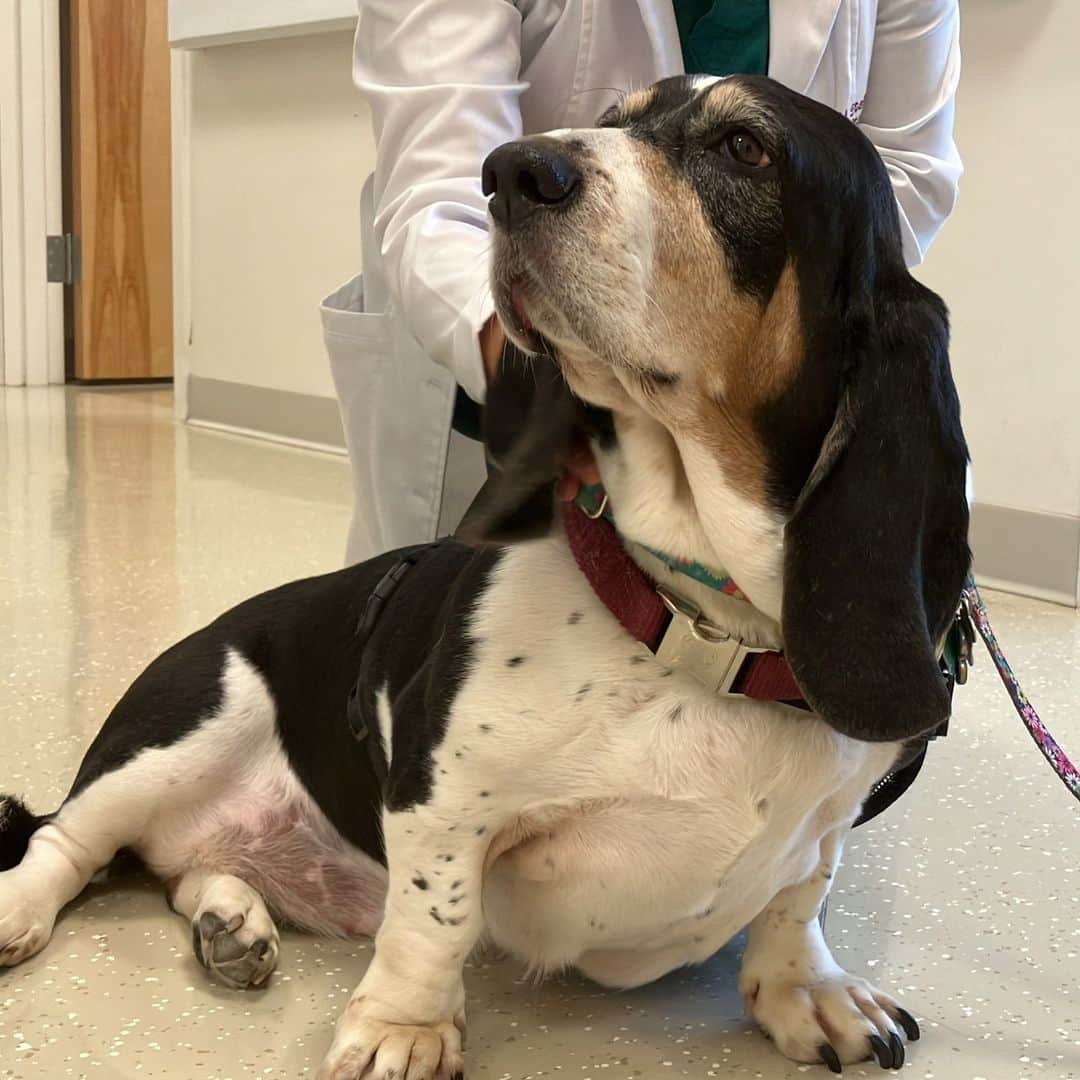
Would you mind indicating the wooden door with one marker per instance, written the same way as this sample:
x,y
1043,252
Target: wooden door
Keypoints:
x,y
121,188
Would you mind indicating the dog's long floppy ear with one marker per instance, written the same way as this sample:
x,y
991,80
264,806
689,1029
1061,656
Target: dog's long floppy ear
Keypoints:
x,y
530,418
876,549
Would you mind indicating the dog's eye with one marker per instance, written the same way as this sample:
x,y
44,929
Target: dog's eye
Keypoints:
x,y
745,149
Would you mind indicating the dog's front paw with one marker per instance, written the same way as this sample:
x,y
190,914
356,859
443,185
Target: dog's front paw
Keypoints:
x,y
838,1021
368,1045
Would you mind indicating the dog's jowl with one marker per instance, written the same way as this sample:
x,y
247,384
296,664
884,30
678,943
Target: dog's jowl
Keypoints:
x,y
606,735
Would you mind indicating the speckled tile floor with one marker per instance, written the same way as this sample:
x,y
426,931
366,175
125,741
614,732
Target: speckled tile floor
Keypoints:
x,y
120,531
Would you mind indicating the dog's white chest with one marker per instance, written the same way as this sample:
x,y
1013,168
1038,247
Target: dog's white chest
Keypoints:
x,y
659,817
707,828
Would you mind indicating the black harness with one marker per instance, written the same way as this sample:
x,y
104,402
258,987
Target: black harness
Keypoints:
x,y
376,603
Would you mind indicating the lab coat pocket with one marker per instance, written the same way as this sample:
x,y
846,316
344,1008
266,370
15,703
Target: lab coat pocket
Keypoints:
x,y
360,347
352,333
395,409
359,344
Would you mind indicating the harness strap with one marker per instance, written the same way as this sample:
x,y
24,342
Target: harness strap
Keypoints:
x,y
386,586
355,708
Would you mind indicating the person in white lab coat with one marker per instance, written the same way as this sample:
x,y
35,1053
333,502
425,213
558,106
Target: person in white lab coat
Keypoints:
x,y
449,80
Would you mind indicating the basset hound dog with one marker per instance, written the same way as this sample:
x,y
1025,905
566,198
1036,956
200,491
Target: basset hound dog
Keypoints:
x,y
606,736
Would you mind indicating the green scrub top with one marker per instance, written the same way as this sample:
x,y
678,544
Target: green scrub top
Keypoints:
x,y
724,37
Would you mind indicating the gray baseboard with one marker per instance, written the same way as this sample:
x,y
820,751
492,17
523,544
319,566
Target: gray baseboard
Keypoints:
x,y
276,414
1027,552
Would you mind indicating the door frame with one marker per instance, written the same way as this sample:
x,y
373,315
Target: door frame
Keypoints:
x,y
31,192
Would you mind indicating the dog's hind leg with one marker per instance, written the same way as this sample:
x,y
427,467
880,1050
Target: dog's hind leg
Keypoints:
x,y
114,811
232,932
63,855
166,749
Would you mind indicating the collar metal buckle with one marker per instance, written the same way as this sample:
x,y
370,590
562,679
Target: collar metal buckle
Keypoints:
x,y
699,647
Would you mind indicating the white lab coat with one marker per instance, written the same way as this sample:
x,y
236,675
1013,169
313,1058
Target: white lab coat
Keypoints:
x,y
448,81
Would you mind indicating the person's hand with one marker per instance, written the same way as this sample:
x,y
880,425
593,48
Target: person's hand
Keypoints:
x,y
580,466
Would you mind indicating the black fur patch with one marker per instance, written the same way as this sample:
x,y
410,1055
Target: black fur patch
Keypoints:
x,y
422,651
866,445
169,700
300,637
600,427
529,423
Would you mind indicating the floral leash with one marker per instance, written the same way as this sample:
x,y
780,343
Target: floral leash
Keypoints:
x,y
1059,760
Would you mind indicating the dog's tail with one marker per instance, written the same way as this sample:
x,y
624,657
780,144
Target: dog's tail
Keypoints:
x,y
17,825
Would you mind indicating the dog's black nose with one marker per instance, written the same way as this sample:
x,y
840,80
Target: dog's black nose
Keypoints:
x,y
528,175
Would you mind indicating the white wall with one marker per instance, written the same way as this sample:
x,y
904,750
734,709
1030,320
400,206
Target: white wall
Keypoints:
x,y
279,145
1008,262
31,310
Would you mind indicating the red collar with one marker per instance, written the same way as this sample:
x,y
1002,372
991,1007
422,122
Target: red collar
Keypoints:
x,y
628,593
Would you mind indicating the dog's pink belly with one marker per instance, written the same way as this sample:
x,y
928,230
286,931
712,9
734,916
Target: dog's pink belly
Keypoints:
x,y
269,832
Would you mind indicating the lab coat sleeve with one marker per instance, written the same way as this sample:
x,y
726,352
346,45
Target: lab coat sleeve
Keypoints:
x,y
908,112
442,80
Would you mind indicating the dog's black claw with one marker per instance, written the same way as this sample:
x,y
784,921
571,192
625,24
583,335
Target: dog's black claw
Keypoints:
x,y
882,1051
209,925
458,1076
909,1024
830,1057
897,1045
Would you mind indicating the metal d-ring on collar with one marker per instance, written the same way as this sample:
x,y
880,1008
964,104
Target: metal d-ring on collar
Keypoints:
x,y
592,515
700,627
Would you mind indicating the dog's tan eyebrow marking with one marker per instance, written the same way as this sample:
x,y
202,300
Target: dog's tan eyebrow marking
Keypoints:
x,y
633,106
729,103
726,97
